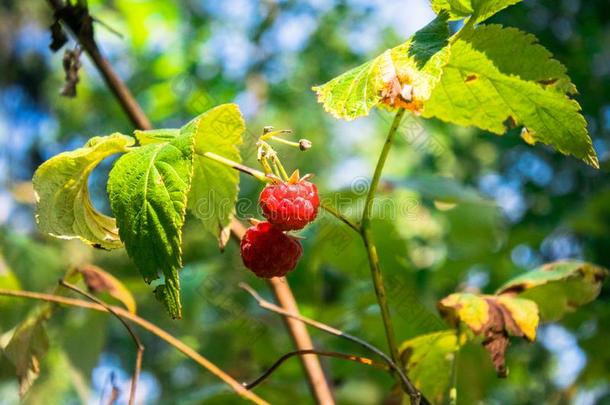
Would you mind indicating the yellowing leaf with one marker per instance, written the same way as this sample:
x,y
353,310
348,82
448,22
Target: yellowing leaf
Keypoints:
x,y
99,281
524,313
468,308
63,207
495,318
401,77
558,288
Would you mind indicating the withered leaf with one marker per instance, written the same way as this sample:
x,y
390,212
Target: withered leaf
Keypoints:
x,y
99,281
495,318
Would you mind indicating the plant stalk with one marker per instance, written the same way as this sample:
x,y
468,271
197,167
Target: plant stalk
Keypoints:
x,y
369,241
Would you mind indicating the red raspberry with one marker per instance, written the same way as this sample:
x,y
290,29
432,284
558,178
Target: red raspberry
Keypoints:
x,y
290,205
268,251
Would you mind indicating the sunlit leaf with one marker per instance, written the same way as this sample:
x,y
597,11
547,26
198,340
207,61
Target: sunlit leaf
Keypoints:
x,y
215,186
480,10
401,77
490,90
558,288
428,360
64,208
148,190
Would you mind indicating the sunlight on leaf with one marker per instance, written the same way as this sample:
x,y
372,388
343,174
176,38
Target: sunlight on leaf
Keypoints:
x,y
480,10
215,186
484,90
401,77
63,207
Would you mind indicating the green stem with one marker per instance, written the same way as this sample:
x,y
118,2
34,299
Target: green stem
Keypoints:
x,y
369,241
238,166
335,212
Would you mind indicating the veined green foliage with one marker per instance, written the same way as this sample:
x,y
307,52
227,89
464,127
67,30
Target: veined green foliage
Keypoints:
x,y
215,186
401,77
486,87
491,77
558,288
148,190
63,206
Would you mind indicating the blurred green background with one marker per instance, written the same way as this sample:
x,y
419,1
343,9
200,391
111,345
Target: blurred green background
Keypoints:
x,y
509,207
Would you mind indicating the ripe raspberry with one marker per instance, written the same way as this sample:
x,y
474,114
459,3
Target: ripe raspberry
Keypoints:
x,y
290,205
268,251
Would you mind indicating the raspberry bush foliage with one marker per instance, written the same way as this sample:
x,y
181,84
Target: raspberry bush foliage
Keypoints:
x,y
483,75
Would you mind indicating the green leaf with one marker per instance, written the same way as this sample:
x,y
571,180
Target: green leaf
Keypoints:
x,y
403,76
489,90
27,344
428,360
558,288
215,186
148,190
64,208
479,9
535,63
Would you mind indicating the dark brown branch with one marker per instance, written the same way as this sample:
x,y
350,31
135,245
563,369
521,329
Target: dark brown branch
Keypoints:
x,y
416,397
134,336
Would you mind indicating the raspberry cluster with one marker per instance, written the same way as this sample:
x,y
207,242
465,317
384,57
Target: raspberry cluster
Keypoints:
x,y
266,249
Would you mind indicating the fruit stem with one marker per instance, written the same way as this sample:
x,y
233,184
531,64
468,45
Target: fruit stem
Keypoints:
x,y
369,241
285,141
238,166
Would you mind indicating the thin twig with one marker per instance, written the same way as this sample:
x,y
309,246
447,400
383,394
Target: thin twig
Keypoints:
x,y
148,326
335,212
281,360
416,397
134,336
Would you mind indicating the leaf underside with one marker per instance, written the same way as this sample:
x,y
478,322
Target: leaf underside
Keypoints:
x,y
63,207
